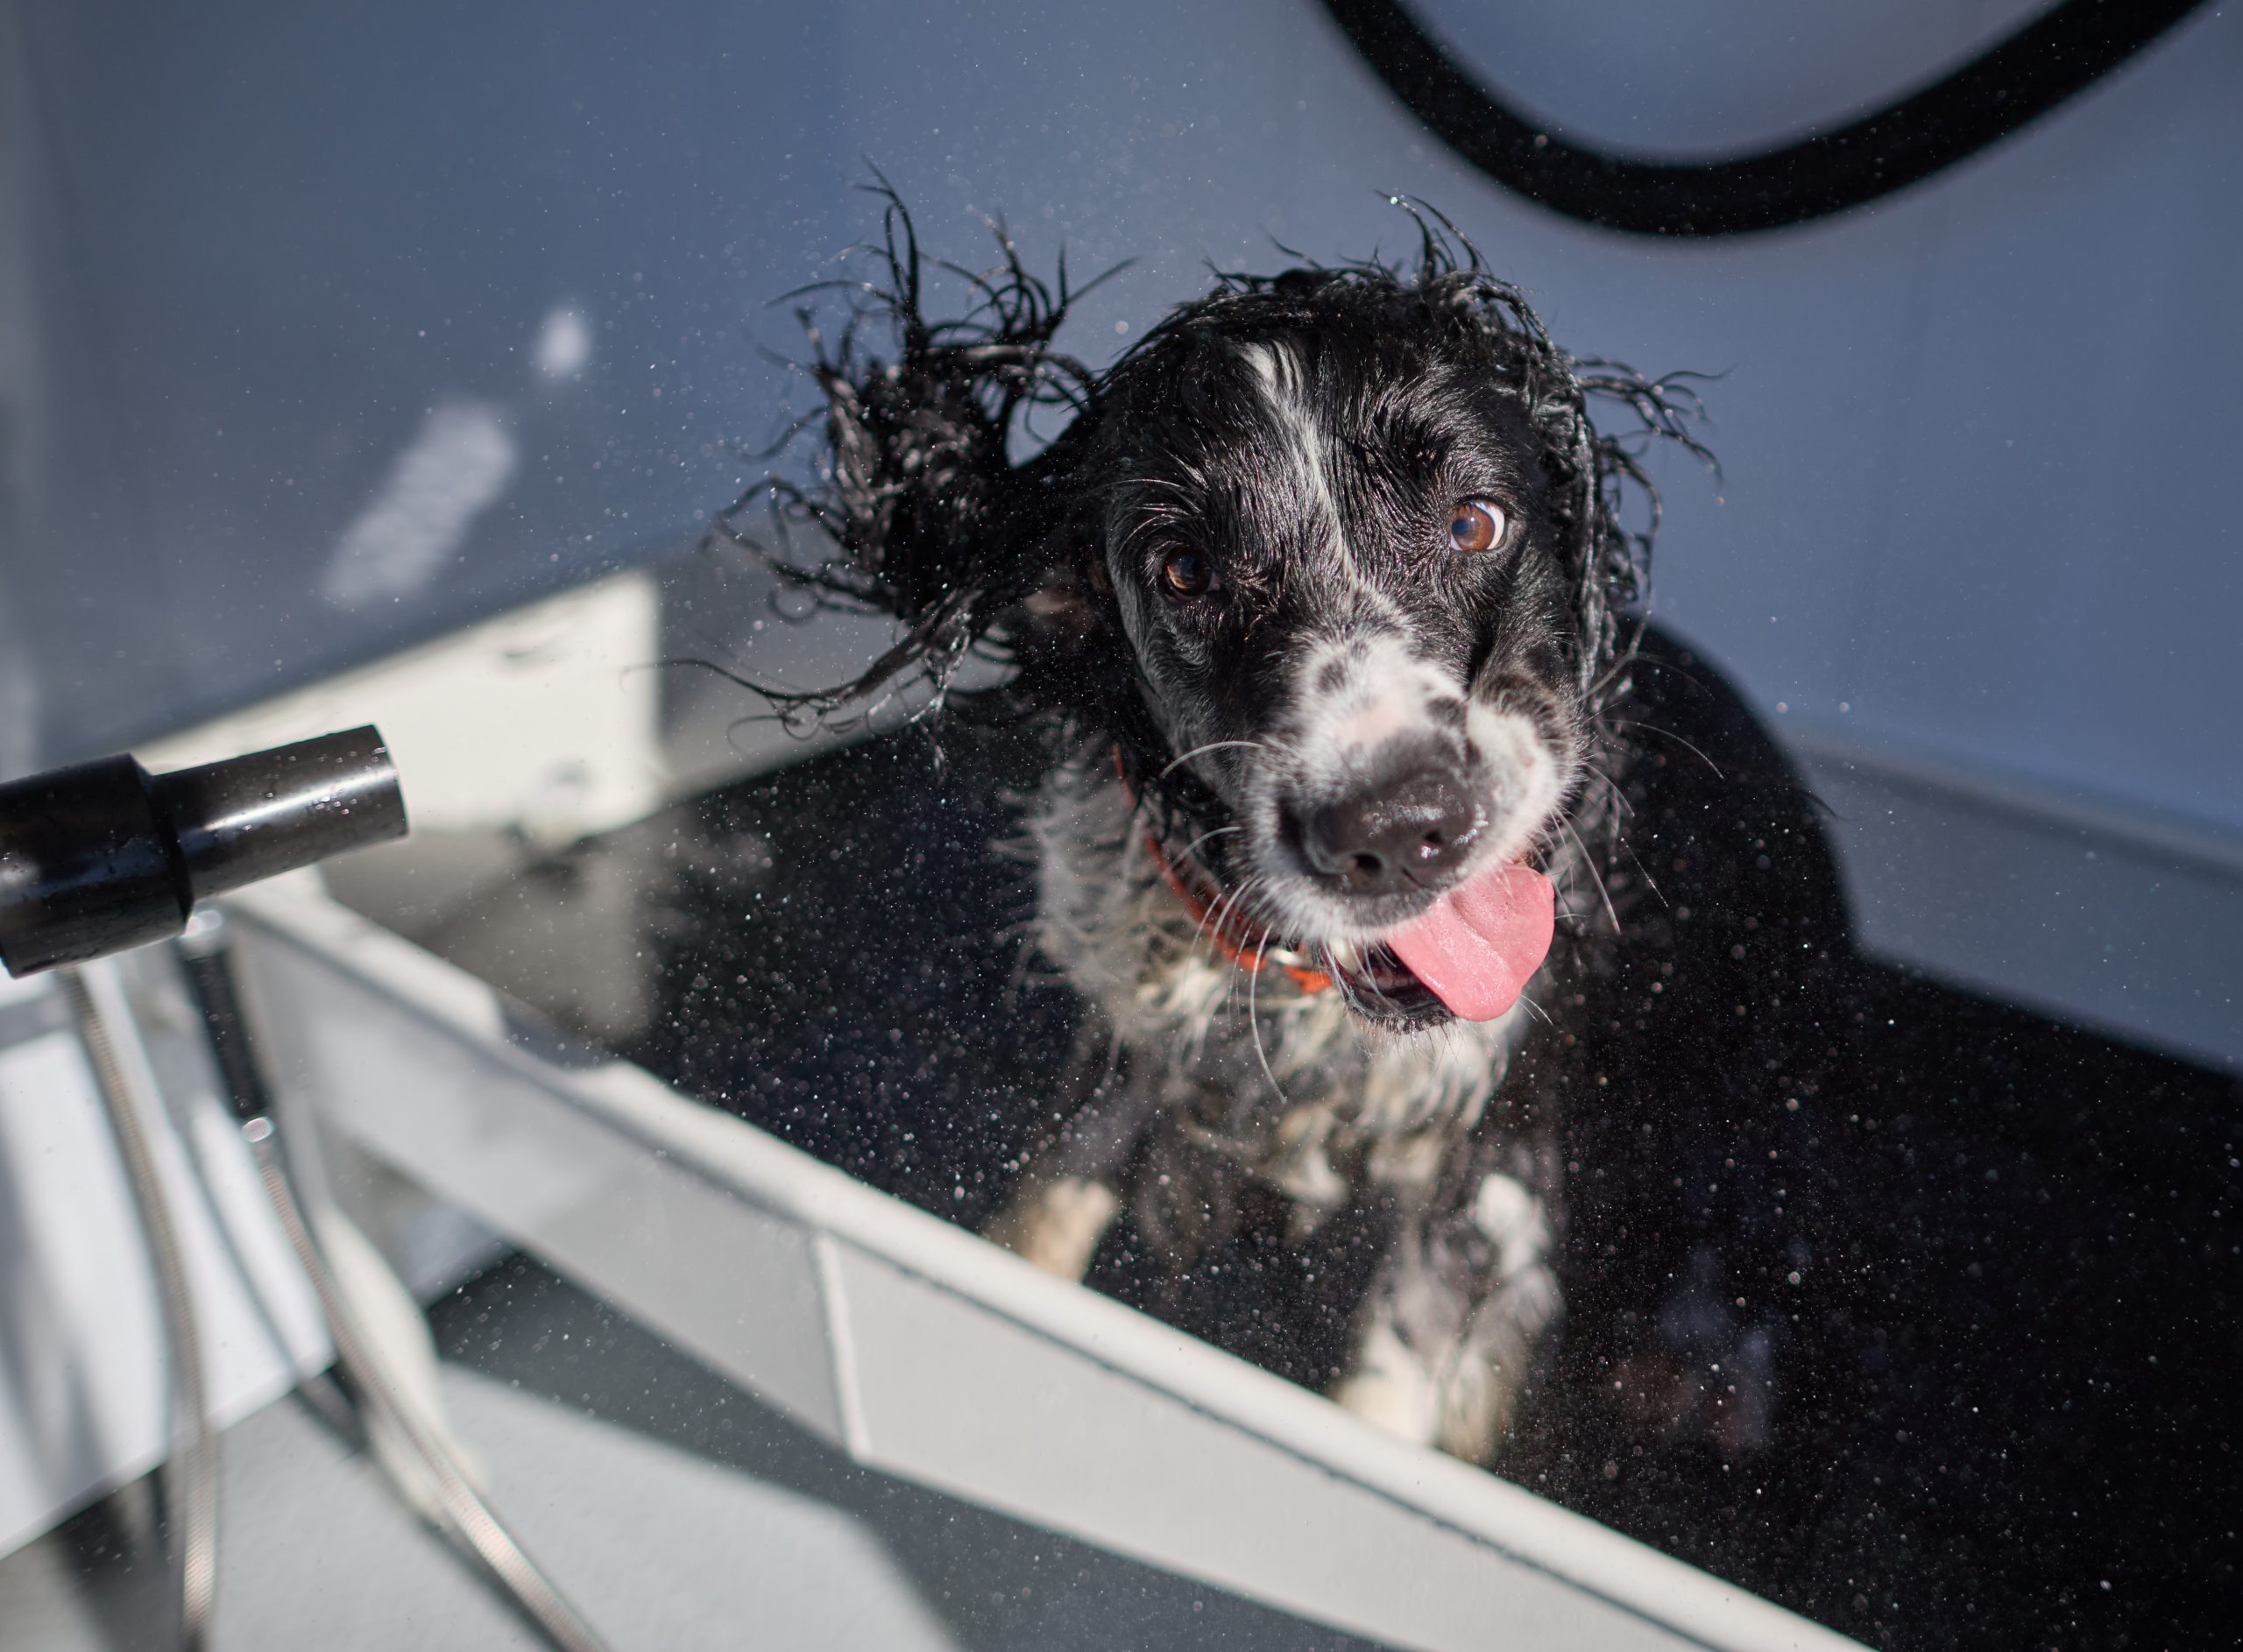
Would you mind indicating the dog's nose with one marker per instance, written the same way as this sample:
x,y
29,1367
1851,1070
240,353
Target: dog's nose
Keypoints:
x,y
1410,833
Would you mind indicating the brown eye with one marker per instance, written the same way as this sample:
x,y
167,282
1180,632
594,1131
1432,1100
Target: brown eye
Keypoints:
x,y
1185,573
1478,525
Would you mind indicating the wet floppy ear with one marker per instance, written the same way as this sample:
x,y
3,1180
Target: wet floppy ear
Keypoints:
x,y
1583,470
916,510
1621,506
1603,505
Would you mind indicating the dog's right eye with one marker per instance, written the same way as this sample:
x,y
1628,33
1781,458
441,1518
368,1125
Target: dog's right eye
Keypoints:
x,y
1479,525
1186,575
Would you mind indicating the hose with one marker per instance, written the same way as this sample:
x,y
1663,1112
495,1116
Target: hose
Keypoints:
x,y
466,1518
190,1470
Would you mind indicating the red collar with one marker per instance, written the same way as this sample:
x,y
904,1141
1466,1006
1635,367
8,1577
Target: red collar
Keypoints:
x,y
1248,946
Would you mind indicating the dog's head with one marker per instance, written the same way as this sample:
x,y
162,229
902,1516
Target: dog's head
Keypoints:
x,y
1343,520
1334,557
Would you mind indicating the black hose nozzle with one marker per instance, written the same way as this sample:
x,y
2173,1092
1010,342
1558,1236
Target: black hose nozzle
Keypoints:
x,y
106,856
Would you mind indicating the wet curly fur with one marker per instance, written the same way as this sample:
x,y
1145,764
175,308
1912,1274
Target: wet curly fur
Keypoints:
x,y
1287,435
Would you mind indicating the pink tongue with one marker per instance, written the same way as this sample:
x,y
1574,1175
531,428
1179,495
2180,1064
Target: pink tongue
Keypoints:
x,y
1478,948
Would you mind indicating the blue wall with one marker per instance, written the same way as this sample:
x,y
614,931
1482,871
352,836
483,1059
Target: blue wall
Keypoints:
x,y
1974,517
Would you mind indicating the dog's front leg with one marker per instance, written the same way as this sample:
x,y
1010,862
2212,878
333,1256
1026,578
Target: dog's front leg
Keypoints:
x,y
1453,1317
1070,1190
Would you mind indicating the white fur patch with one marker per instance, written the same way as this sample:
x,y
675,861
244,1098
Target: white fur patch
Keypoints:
x,y
1380,721
1442,1360
1531,779
1514,1221
1390,1387
1263,358
1379,691
1279,372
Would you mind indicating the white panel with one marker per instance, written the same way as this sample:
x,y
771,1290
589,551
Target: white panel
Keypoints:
x,y
978,1405
477,1133
542,721
2055,583
2073,909
951,1361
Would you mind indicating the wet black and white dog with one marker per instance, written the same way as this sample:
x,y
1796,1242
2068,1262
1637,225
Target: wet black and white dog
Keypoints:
x,y
1321,589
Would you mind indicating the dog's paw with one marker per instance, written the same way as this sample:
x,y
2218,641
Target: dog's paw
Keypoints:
x,y
1056,1224
1459,1396
1452,1324
1391,1388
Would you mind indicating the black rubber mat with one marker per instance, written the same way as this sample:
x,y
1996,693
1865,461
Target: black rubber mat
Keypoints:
x,y
1969,1278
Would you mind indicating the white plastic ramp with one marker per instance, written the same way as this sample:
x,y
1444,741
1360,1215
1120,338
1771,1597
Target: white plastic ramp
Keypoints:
x,y
929,1354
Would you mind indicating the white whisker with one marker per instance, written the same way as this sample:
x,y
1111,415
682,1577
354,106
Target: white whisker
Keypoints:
x,y
1215,915
1589,862
1253,1025
1652,728
1219,831
1212,745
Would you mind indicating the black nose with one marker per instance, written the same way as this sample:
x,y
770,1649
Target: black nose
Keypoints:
x,y
1405,833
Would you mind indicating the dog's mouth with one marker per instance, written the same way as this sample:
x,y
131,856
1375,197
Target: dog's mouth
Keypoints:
x,y
1380,987
1467,956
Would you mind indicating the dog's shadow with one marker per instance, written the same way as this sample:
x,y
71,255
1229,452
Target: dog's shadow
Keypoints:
x,y
1811,1343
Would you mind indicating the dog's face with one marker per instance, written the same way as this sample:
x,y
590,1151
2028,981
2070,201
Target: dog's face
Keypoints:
x,y
1340,568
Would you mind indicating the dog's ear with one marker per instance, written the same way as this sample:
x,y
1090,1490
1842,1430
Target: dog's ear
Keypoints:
x,y
918,510
1585,471
1616,555
1597,480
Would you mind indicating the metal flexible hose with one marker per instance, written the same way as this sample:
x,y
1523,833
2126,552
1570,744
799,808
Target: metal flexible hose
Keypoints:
x,y
469,1518
190,1471
207,953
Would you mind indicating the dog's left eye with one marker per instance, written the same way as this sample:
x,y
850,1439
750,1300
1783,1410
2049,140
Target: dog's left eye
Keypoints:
x,y
1186,575
1478,525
